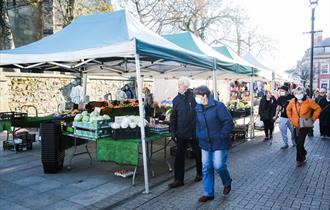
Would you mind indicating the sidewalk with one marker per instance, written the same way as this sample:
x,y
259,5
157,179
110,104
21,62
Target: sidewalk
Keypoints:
x,y
264,177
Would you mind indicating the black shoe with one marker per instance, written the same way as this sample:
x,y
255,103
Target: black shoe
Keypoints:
x,y
198,178
226,190
175,184
205,198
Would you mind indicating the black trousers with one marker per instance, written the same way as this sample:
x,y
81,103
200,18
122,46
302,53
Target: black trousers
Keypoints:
x,y
179,165
268,127
300,134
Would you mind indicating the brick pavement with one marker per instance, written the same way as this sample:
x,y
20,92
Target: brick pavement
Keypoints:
x,y
264,177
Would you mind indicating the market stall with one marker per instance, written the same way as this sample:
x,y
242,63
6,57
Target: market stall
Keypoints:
x,y
115,43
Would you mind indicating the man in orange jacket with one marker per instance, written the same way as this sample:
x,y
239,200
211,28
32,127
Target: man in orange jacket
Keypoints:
x,y
300,110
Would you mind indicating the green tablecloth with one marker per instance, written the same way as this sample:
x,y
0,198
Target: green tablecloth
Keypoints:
x,y
5,126
122,151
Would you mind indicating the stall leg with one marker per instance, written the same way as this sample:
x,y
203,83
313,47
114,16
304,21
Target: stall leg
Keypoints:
x,y
134,175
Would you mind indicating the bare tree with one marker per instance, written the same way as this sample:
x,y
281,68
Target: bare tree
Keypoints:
x,y
5,26
300,72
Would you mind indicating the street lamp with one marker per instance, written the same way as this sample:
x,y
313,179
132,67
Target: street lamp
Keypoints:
x,y
313,4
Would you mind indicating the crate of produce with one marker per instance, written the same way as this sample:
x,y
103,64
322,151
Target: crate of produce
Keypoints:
x,y
92,125
92,133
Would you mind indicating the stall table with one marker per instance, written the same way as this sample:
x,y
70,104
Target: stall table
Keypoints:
x,y
125,151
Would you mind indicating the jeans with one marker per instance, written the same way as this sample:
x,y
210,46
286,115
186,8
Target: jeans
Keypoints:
x,y
284,124
214,161
179,164
301,134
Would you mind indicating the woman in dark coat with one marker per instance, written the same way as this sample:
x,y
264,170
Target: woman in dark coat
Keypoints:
x,y
267,110
325,116
213,127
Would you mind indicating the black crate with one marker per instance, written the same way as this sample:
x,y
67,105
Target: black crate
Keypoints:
x,y
128,133
52,148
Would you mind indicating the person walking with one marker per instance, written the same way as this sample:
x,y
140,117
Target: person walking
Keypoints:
x,y
183,129
284,122
302,112
324,119
128,91
267,110
213,127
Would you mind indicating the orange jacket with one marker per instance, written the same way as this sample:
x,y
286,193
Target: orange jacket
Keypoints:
x,y
307,108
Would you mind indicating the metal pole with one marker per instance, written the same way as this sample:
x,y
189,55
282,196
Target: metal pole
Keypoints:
x,y
251,108
214,74
312,53
141,113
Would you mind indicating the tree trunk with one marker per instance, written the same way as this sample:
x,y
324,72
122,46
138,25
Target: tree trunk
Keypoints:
x,y
5,25
238,39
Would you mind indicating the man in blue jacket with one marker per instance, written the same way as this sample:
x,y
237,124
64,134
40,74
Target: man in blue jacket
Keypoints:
x,y
183,124
213,128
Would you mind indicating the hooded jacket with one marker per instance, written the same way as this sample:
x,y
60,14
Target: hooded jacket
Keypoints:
x,y
214,126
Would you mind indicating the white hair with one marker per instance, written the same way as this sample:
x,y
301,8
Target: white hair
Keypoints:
x,y
185,81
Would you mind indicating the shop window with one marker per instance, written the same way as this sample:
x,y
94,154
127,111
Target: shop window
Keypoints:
x,y
324,68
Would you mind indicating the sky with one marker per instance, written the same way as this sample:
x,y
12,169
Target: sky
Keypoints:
x,y
285,21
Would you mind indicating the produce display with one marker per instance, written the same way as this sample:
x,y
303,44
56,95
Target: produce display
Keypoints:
x,y
92,125
128,127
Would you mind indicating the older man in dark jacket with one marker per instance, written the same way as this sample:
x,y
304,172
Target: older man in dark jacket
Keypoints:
x,y
183,124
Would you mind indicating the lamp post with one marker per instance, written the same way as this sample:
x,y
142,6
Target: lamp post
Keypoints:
x,y
313,4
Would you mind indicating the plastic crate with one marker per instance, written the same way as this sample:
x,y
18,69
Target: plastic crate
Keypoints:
x,y
87,125
13,115
128,133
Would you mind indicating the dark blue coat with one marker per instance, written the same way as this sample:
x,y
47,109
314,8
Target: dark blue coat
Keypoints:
x,y
214,125
183,117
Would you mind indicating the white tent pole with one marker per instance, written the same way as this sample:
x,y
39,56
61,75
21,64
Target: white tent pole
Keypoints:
x,y
251,108
84,83
141,111
214,74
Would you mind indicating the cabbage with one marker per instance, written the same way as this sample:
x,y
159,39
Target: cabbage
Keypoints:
x,y
106,117
92,119
115,126
85,113
78,117
126,120
85,118
132,125
95,113
99,118
124,125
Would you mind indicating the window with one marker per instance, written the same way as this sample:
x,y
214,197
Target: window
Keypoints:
x,y
324,69
324,84
327,50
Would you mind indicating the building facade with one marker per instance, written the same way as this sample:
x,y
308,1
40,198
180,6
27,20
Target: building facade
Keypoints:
x,y
321,62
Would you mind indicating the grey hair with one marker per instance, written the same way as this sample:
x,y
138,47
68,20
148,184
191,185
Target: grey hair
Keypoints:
x,y
185,81
299,90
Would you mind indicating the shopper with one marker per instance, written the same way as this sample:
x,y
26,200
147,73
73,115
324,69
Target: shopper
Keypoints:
x,y
284,122
267,110
213,128
302,112
183,129
128,91
325,115
148,101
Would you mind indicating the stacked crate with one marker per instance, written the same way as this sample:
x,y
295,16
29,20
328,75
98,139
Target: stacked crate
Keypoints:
x,y
52,148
